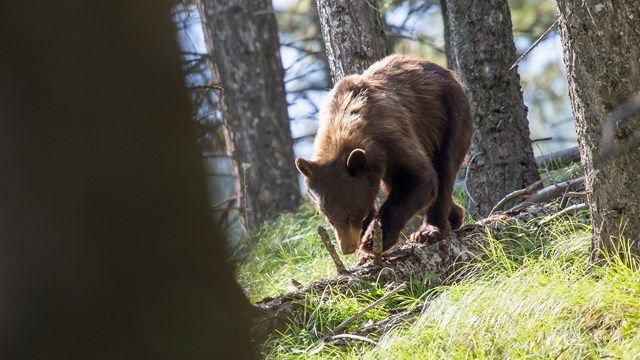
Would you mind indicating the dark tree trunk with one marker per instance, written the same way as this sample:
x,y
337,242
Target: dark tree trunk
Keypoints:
x,y
446,32
353,34
483,51
601,41
243,39
107,249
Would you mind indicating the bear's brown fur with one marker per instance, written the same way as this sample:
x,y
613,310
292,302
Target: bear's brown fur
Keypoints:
x,y
405,122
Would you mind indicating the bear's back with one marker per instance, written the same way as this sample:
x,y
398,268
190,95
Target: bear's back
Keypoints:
x,y
397,103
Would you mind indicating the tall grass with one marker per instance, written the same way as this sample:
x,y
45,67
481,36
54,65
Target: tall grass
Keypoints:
x,y
552,303
286,250
535,295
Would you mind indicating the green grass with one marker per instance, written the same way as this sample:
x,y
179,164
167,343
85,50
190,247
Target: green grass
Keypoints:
x,y
284,250
552,303
537,297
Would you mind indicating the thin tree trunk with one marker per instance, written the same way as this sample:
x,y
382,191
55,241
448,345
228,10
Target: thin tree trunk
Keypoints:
x,y
446,34
107,248
601,41
353,34
483,50
243,38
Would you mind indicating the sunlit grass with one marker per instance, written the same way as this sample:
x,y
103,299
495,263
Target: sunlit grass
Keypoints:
x,y
551,303
323,313
533,295
284,250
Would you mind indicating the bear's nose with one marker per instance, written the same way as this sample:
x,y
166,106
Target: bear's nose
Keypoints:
x,y
347,248
348,238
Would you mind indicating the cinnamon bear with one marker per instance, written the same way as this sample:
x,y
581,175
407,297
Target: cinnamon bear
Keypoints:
x,y
405,124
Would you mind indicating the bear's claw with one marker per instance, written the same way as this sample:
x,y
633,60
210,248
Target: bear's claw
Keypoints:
x,y
427,234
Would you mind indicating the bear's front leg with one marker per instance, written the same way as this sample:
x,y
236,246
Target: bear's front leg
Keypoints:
x,y
412,192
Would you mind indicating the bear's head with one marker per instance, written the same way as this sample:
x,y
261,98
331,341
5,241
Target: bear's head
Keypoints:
x,y
345,190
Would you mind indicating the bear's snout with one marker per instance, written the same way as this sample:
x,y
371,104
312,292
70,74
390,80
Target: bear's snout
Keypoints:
x,y
348,238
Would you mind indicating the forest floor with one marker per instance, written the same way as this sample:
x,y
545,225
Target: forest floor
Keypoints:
x,y
527,291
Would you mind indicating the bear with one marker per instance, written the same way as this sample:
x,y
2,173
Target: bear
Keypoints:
x,y
404,125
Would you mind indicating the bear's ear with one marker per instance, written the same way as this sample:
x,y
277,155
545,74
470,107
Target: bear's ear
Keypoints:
x,y
357,162
305,167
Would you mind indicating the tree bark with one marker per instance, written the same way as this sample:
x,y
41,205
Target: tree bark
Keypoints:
x,y
483,50
107,248
353,34
601,41
243,38
446,34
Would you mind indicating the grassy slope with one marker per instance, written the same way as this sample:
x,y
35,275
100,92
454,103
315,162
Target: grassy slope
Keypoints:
x,y
543,300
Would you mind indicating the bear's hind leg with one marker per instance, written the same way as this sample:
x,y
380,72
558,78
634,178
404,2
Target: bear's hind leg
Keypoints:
x,y
436,224
456,215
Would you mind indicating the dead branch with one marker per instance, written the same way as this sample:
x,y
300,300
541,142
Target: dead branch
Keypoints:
x,y
559,159
550,192
526,192
206,87
572,195
332,251
377,244
374,304
353,337
572,208
533,46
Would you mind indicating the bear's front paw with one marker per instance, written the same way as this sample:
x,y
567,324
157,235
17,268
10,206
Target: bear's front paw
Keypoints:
x,y
365,250
373,231
428,234
363,255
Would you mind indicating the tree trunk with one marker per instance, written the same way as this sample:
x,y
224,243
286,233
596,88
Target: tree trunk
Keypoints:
x,y
601,41
107,248
446,34
243,38
483,51
353,34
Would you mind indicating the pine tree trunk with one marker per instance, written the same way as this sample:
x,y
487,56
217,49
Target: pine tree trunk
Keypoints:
x,y
601,41
242,37
446,32
353,35
483,51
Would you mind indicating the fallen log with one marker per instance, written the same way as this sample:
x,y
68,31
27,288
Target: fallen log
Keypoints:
x,y
532,194
435,264
559,159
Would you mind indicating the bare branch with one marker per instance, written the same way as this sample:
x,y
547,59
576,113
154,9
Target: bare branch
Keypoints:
x,y
206,87
572,208
332,250
550,192
354,337
533,46
374,304
559,159
526,192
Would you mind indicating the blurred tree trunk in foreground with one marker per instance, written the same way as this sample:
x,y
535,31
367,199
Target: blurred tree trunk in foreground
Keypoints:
x,y
353,35
483,51
242,37
601,41
107,247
